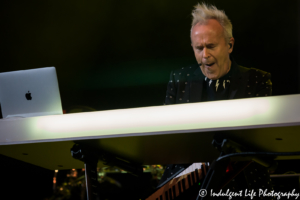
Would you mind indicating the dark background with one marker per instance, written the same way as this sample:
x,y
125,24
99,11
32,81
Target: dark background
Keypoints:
x,y
118,54
113,54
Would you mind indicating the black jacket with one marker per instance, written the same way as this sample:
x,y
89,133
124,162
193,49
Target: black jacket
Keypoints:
x,y
186,84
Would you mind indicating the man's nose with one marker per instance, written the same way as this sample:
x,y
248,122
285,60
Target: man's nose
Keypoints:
x,y
205,53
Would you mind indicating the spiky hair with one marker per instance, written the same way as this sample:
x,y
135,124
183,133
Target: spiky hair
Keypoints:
x,y
204,12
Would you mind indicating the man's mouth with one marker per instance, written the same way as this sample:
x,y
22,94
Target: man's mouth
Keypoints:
x,y
209,64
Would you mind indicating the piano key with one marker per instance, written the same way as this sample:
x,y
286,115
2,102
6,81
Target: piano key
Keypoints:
x,y
186,183
189,180
166,195
204,169
193,177
174,191
190,169
170,194
197,175
179,187
183,185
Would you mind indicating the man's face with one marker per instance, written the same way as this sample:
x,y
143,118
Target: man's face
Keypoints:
x,y
211,49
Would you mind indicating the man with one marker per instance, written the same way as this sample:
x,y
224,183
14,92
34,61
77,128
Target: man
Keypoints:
x,y
217,76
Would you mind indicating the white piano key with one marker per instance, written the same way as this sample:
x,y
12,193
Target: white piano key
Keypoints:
x,y
191,168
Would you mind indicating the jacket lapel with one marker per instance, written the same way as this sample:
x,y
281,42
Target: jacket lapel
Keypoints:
x,y
238,82
196,85
237,86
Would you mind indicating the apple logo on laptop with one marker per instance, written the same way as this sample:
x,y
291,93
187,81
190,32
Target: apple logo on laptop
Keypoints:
x,y
28,96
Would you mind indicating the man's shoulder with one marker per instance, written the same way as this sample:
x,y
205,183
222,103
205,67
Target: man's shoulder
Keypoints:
x,y
258,82
187,69
252,71
183,73
256,76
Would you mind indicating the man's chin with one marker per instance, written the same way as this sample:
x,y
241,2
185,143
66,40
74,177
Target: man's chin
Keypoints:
x,y
212,76
209,74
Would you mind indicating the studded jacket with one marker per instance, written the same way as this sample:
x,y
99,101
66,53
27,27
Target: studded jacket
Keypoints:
x,y
186,84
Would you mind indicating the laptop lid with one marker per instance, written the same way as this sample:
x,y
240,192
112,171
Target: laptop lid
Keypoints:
x,y
29,93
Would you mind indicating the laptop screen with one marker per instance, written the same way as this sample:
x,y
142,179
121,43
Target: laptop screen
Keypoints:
x,y
29,93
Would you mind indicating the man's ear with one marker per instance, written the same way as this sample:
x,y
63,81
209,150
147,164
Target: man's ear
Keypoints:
x,y
230,45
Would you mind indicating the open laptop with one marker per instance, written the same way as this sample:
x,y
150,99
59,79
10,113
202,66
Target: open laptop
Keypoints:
x,y
29,93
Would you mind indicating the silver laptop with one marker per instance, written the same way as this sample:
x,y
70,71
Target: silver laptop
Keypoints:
x,y
29,93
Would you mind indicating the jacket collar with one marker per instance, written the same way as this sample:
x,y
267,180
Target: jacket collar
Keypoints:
x,y
196,85
238,82
237,85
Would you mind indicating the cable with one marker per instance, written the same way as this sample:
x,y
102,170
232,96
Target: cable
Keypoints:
x,y
242,154
205,179
258,154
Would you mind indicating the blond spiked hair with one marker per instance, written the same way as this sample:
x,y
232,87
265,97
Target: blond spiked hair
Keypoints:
x,y
203,12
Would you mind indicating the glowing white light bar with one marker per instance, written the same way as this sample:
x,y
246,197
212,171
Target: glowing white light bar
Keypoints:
x,y
208,116
160,118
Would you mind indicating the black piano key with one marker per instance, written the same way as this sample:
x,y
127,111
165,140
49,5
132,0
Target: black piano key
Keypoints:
x,y
189,180
174,191
160,197
166,195
197,175
170,194
179,187
183,184
156,199
203,169
193,177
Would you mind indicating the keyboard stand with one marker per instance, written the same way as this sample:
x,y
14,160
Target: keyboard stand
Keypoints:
x,y
220,168
90,157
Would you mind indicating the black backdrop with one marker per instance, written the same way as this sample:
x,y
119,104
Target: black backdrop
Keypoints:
x,y
118,54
